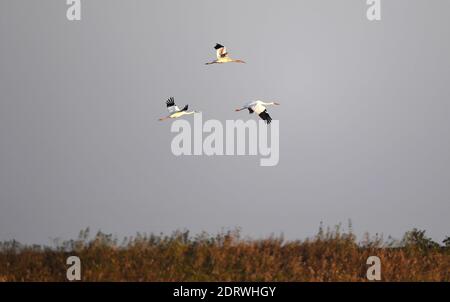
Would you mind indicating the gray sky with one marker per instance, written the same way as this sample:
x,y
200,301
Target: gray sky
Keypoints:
x,y
364,121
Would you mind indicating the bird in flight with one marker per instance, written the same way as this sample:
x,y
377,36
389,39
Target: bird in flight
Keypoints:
x,y
222,56
259,107
174,111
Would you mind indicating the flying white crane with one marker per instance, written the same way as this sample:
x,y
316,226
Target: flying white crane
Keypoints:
x,y
174,111
222,56
259,107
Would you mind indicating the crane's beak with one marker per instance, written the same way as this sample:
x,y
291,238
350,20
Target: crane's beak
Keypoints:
x,y
275,103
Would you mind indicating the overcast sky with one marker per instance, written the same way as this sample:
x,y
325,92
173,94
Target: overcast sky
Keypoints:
x,y
364,120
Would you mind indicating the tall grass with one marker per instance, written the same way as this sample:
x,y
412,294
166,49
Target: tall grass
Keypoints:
x,y
331,255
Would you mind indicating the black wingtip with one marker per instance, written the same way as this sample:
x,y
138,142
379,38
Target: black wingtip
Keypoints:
x,y
170,102
218,46
265,116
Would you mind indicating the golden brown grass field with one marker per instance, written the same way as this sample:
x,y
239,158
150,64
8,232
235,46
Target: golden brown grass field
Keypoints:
x,y
331,255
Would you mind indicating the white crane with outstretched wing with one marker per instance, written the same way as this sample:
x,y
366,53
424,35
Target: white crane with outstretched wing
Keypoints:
x,y
175,111
222,56
259,107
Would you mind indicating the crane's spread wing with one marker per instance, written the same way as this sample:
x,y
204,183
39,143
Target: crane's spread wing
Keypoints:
x,y
170,102
221,51
171,107
265,116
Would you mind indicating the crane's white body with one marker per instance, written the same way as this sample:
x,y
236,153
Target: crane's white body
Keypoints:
x,y
258,106
173,109
180,114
